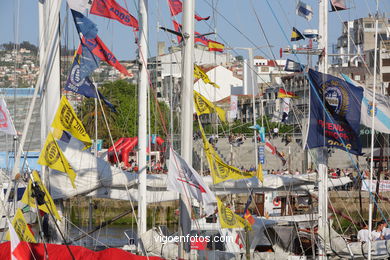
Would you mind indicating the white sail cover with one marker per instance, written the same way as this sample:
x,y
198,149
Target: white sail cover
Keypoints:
x,y
6,124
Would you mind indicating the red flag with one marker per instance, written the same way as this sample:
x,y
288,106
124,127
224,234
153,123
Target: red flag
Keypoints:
x,y
111,9
99,49
176,7
237,241
248,216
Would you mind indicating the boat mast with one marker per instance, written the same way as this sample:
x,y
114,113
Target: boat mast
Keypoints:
x,y
142,115
187,116
373,136
322,156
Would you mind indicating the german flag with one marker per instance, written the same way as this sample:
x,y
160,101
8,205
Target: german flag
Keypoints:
x,y
285,94
215,46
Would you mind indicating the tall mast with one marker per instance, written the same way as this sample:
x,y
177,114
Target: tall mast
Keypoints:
x,y
187,115
373,136
322,152
142,115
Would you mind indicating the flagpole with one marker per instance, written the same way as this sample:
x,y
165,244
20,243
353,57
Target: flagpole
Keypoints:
x,y
322,155
372,137
187,117
142,117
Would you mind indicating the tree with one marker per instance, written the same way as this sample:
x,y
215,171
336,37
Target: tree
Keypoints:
x,y
124,122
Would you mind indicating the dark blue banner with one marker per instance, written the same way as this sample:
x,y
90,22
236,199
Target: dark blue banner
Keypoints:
x,y
334,113
83,86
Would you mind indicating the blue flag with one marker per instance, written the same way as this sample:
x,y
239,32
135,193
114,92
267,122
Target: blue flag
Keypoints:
x,y
336,121
87,30
83,85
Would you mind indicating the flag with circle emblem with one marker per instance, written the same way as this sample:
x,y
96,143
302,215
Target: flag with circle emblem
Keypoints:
x,y
52,157
19,226
227,218
205,106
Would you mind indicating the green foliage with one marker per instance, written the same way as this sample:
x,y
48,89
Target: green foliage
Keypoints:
x,y
124,123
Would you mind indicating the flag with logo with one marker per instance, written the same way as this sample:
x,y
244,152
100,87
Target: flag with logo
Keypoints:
x,y
336,121
200,74
89,39
381,111
304,10
296,35
338,5
227,218
19,228
6,124
176,7
221,171
67,120
48,205
52,156
215,46
184,179
204,106
83,86
112,10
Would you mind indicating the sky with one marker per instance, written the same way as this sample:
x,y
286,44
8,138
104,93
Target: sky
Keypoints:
x,y
236,23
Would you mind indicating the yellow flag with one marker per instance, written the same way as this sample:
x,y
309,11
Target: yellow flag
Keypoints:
x,y
48,206
67,120
204,106
200,74
20,225
259,173
227,218
52,156
221,171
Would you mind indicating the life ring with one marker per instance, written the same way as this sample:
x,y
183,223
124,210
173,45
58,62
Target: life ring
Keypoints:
x,y
276,201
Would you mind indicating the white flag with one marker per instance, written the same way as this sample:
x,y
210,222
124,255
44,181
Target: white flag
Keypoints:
x,y
381,110
304,10
233,106
6,124
80,5
184,179
14,239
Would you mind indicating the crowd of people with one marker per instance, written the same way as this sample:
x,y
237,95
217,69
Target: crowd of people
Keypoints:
x,y
381,232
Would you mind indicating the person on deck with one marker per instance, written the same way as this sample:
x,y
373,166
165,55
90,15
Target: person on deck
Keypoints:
x,y
377,233
362,235
385,231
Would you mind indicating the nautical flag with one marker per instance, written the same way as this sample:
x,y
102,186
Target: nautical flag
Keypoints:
x,y
83,86
338,5
184,179
6,124
227,218
205,106
285,109
296,35
285,94
79,5
304,10
47,205
220,171
20,228
112,10
382,111
198,37
89,39
293,66
176,7
274,151
67,120
52,156
341,110
248,217
215,46
200,74
237,241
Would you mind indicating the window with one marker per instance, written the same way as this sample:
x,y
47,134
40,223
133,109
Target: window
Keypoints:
x,y
368,25
385,62
356,77
386,77
264,69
